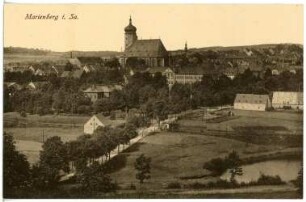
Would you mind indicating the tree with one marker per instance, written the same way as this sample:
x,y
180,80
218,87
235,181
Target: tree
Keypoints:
x,y
129,132
299,182
94,179
16,169
143,167
234,163
53,159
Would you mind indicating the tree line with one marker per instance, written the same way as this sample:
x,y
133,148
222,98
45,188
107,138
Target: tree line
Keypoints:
x,y
149,93
56,158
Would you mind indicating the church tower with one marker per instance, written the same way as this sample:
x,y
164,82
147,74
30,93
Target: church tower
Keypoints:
x,y
130,35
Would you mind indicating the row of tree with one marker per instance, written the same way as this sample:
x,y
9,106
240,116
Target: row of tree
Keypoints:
x,y
150,94
57,158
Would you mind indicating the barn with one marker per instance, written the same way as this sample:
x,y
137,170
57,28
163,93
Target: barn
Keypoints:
x,y
98,120
252,102
292,100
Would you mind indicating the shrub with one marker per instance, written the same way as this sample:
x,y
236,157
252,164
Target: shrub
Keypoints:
x,y
23,114
217,166
132,186
174,185
269,180
197,185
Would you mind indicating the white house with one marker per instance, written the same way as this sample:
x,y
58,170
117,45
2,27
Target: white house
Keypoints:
x,y
293,100
98,120
252,102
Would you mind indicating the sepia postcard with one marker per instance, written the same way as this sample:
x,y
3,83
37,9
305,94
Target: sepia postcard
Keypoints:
x,y
153,101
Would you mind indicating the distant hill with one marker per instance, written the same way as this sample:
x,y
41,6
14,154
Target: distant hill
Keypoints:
x,y
263,55
35,51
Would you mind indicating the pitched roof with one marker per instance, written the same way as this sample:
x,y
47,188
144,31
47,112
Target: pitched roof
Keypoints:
x,y
251,98
75,62
102,88
77,73
146,48
108,122
74,74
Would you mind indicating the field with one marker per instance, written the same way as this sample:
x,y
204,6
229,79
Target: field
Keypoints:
x,y
291,122
30,132
180,155
24,58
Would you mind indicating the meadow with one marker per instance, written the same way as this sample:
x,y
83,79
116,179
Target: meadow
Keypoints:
x,y
31,131
179,157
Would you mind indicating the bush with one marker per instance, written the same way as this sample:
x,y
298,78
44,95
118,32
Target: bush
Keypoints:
x,y
23,114
269,180
132,186
217,166
174,185
83,109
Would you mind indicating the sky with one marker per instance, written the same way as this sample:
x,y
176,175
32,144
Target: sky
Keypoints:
x,y
101,27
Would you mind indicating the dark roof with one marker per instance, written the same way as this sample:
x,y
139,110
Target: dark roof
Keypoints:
x,y
130,27
191,71
74,74
75,62
147,48
251,98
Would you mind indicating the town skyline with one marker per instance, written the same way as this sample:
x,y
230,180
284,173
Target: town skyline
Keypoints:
x,y
107,34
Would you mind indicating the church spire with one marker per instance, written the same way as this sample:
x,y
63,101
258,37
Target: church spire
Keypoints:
x,y
186,48
130,20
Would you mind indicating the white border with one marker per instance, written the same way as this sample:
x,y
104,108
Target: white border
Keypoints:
x,y
139,2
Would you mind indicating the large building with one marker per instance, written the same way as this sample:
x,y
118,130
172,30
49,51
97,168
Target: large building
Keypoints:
x,y
292,100
252,102
151,51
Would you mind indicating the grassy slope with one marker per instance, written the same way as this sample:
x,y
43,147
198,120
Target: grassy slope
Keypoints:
x,y
29,138
291,121
176,154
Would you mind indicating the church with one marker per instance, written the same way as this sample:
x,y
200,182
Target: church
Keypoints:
x,y
151,52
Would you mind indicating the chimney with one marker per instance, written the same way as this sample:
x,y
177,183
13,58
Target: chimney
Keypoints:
x,y
71,54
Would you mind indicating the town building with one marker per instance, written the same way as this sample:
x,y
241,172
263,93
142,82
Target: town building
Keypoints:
x,y
184,76
292,100
76,74
98,120
252,102
151,51
34,86
96,92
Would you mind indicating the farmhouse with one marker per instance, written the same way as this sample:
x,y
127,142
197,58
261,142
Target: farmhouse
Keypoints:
x,y
96,92
292,100
252,102
98,120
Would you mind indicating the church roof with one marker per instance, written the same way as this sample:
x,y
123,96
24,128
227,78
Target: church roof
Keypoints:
x,y
130,27
146,48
